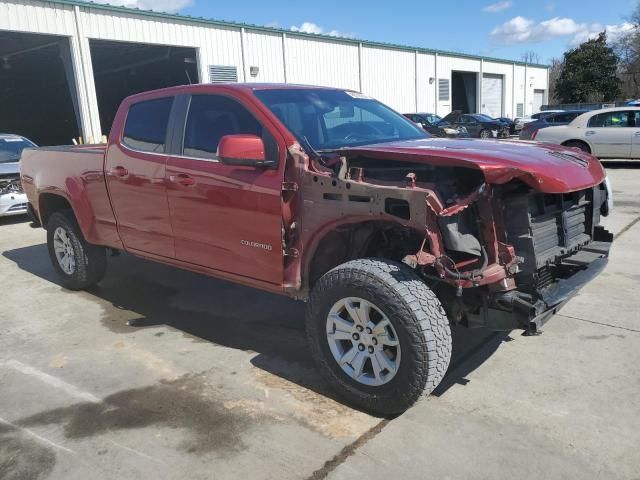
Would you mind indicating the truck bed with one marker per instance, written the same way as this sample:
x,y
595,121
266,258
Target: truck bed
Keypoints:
x,y
75,172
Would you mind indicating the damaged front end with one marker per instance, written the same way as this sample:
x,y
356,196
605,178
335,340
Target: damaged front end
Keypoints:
x,y
504,256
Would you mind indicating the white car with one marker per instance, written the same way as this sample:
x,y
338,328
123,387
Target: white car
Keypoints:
x,y
12,200
606,133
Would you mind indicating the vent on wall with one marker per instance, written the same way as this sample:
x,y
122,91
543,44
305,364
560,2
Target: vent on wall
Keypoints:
x,y
223,74
443,89
520,110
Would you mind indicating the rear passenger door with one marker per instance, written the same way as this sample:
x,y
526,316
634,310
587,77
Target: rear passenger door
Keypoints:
x,y
135,173
610,134
225,217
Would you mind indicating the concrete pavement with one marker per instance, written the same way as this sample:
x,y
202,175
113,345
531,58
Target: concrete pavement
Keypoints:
x,y
160,373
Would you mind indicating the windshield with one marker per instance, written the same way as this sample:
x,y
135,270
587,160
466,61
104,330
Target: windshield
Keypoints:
x,y
332,119
11,148
482,116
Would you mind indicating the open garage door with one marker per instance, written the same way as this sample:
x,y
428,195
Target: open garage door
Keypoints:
x,y
38,98
464,91
121,69
492,93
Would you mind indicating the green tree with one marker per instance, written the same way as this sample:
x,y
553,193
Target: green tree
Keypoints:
x,y
589,73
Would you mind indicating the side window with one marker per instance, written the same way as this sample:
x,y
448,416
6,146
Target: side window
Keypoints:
x,y
210,118
146,126
609,119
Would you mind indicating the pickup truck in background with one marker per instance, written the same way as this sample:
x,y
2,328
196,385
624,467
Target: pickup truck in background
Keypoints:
x,y
330,197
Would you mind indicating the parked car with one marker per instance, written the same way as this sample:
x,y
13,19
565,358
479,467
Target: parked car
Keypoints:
x,y
530,130
434,125
606,133
510,124
12,199
329,196
544,113
477,124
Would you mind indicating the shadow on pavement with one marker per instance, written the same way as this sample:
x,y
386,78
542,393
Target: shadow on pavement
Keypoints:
x,y
14,219
140,294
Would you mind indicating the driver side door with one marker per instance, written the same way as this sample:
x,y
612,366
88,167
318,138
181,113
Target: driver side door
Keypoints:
x,y
225,217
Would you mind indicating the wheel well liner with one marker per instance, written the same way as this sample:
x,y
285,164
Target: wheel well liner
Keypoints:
x,y
49,203
575,140
351,241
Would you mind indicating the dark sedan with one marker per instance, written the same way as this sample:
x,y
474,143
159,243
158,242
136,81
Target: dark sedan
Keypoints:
x,y
434,125
530,130
478,125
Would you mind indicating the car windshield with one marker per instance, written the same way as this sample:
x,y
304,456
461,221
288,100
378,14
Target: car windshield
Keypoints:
x,y
333,119
431,118
483,117
11,148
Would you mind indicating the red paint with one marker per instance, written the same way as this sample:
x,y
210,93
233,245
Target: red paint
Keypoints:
x,y
229,221
243,147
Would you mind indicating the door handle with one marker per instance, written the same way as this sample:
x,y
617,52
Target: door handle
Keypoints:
x,y
588,133
637,134
183,179
119,171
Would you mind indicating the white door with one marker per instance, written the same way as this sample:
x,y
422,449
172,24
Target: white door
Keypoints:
x,y
492,88
610,134
538,100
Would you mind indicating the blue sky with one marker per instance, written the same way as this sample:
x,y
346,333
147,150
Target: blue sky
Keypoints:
x,y
498,28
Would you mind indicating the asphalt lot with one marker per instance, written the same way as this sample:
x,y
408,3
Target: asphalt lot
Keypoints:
x,y
159,373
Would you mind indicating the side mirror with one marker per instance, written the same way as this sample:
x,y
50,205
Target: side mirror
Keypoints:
x,y
243,150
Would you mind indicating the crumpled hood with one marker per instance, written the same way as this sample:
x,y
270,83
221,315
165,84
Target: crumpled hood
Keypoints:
x,y
545,167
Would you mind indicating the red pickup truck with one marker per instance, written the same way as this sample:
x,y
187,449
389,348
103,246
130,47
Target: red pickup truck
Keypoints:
x,y
330,197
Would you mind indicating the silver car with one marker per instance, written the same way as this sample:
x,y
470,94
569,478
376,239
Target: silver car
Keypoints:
x,y
12,200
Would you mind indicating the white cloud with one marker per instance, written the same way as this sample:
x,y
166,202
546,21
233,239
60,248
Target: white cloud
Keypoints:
x,y
498,6
170,6
614,32
524,30
310,27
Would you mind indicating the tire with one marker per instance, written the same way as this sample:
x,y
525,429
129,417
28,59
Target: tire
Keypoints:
x,y
418,322
577,144
485,134
89,261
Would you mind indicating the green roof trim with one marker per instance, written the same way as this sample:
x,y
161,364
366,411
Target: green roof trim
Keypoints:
x,y
248,26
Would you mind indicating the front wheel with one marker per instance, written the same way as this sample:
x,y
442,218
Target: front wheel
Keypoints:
x,y
378,334
485,134
78,263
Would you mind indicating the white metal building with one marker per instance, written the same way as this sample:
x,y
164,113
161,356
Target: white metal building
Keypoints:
x,y
66,64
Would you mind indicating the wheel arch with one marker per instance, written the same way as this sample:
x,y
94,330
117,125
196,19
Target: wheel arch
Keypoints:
x,y
51,202
567,143
349,239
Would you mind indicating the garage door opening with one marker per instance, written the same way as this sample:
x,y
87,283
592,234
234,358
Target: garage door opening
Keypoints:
x,y
464,91
38,97
121,69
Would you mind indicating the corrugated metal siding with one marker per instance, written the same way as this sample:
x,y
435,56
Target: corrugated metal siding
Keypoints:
x,y
395,76
264,50
325,63
389,76
26,16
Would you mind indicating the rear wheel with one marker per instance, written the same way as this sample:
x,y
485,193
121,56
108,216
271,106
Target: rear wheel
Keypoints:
x,y
378,334
78,263
485,134
578,144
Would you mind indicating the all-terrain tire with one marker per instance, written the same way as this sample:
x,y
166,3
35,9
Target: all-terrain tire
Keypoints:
x,y
90,262
417,316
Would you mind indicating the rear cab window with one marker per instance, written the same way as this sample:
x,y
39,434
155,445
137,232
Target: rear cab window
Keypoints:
x,y
145,128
